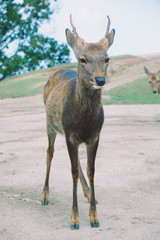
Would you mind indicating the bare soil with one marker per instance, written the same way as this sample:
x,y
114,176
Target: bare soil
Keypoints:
x,y
127,177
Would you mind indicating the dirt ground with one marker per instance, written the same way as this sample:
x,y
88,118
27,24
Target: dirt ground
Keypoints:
x,y
127,177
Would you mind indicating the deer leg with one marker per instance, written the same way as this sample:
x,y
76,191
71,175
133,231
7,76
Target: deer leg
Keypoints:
x,y
73,153
50,151
84,184
91,154
86,189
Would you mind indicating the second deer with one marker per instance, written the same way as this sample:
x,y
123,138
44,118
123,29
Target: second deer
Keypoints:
x,y
73,108
154,80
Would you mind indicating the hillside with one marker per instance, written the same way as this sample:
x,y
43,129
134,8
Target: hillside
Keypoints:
x,y
122,69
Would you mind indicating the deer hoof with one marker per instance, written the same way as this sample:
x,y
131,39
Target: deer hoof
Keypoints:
x,y
74,226
44,199
44,202
94,224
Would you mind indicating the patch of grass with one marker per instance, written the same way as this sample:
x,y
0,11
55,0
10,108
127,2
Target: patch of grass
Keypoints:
x,y
137,92
29,84
21,88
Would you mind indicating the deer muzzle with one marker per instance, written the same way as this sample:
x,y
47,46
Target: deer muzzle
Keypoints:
x,y
100,81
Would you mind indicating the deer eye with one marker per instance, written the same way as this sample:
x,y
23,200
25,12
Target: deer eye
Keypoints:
x,y
106,60
83,60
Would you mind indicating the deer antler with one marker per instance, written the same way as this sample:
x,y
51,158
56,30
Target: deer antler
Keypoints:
x,y
108,27
73,27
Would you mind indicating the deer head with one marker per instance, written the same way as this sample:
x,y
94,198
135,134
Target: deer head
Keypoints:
x,y
154,80
92,57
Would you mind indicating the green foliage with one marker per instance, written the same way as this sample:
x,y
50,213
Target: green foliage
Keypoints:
x,y
137,92
19,24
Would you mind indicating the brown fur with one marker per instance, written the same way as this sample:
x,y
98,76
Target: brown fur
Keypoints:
x,y
73,107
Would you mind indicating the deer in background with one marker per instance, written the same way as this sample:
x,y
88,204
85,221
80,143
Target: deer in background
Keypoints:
x,y
154,80
73,108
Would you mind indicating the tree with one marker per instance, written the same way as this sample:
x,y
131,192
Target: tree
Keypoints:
x,y
19,24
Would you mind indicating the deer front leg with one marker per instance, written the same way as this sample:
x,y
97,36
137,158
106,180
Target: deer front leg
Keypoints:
x,y
91,154
73,153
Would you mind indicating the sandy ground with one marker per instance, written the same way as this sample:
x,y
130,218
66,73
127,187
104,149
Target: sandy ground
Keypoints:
x,y
127,177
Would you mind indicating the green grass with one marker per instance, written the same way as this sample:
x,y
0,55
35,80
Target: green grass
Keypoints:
x,y
137,92
32,83
14,89
28,84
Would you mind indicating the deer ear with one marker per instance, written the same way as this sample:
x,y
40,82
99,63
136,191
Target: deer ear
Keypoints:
x,y
146,70
111,37
71,39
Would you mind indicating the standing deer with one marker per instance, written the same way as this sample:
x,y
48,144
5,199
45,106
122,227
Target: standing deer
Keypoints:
x,y
73,107
154,80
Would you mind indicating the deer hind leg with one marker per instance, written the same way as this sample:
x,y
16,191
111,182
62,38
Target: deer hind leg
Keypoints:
x,y
51,139
91,154
84,184
85,187
73,153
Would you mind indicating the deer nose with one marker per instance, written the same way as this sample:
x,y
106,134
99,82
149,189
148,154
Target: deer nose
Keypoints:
x,y
154,91
100,81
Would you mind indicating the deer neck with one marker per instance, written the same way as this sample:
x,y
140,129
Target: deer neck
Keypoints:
x,y
87,98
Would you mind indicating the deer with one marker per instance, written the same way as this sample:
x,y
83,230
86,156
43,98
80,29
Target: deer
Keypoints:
x,y
154,80
74,108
